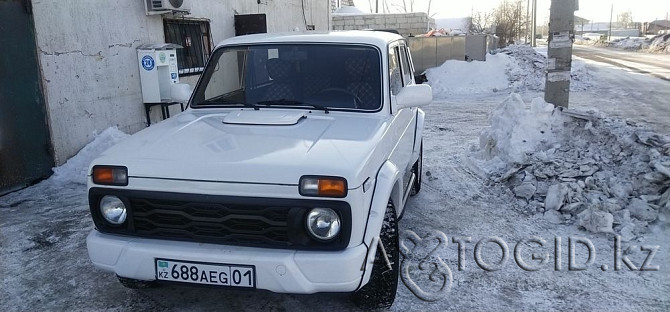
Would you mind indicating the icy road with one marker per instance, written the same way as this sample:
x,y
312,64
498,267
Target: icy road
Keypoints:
x,y
44,263
657,65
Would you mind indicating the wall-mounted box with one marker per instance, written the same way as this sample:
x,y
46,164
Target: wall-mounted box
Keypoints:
x,y
158,70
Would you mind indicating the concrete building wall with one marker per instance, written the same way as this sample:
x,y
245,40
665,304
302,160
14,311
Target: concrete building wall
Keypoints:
x,y
87,53
406,23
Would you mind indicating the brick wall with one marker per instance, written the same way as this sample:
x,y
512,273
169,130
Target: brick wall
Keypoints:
x,y
405,23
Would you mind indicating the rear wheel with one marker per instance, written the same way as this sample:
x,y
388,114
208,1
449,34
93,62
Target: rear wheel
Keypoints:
x,y
418,172
137,284
380,291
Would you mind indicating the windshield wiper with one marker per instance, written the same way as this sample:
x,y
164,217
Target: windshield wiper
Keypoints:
x,y
291,102
252,105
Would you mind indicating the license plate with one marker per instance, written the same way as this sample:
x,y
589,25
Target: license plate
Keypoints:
x,y
234,275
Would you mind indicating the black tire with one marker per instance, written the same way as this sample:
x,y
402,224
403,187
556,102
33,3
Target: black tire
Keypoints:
x,y
137,284
380,291
418,171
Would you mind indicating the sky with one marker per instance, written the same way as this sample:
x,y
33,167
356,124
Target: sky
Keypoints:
x,y
594,10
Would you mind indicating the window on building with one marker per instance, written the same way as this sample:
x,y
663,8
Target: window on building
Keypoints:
x,y
195,37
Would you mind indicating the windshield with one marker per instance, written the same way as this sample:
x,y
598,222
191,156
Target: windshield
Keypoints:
x,y
332,77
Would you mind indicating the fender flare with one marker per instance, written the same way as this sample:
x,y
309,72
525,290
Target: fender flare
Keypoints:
x,y
386,187
418,133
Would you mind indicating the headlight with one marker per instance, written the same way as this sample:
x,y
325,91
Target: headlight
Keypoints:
x,y
323,223
113,209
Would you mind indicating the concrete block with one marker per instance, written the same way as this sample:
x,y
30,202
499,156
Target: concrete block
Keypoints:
x,y
359,22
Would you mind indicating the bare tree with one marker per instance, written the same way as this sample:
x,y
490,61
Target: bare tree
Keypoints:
x,y
404,6
624,19
509,20
481,22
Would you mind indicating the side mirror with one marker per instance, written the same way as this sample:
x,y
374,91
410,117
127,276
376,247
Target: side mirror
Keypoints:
x,y
180,92
414,96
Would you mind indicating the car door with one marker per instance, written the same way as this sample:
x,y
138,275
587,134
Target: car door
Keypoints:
x,y
404,119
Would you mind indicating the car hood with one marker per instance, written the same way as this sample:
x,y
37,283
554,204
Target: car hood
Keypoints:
x,y
250,146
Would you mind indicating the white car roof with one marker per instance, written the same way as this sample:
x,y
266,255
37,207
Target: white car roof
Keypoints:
x,y
377,38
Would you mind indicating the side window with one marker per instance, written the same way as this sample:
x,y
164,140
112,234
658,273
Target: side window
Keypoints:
x,y
406,68
410,61
395,75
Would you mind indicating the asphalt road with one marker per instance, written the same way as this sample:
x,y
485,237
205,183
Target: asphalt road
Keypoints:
x,y
657,65
630,85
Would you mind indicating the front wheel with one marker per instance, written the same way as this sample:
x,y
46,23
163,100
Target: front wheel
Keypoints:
x,y
380,291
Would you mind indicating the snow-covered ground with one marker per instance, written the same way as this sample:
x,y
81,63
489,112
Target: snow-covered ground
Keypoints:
x,y
499,162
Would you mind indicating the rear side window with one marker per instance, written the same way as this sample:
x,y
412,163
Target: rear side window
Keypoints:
x,y
406,68
395,74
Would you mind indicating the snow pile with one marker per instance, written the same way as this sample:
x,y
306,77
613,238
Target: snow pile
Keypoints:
x,y
581,40
527,71
518,67
660,44
600,173
461,78
630,43
76,168
518,129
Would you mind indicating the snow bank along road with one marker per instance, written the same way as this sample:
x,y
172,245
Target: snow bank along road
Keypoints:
x,y
657,65
44,264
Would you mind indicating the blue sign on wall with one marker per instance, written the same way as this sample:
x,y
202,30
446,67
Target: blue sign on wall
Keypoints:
x,y
148,62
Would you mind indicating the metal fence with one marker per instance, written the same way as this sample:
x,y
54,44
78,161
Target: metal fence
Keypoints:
x,y
430,52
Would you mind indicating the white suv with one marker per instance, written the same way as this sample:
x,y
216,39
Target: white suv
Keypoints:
x,y
288,172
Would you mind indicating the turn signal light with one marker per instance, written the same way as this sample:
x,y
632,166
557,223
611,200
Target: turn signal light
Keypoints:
x,y
110,175
319,186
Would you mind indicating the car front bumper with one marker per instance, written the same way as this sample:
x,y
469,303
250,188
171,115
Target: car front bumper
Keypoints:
x,y
277,270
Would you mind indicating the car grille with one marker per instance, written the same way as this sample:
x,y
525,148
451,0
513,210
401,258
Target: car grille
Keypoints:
x,y
211,222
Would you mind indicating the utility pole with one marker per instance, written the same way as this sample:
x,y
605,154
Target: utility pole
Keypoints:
x,y
527,21
534,29
609,34
559,52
